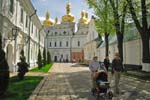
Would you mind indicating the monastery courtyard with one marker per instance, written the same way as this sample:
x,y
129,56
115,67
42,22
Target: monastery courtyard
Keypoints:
x,y
67,81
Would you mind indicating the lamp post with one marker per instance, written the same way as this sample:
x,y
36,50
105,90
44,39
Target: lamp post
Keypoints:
x,y
13,36
29,36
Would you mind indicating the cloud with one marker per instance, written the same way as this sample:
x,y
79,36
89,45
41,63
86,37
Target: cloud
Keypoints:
x,y
43,18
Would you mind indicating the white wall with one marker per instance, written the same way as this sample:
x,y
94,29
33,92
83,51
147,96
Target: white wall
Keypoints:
x,y
132,52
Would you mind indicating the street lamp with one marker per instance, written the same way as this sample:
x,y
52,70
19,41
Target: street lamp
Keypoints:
x,y
11,37
29,36
14,34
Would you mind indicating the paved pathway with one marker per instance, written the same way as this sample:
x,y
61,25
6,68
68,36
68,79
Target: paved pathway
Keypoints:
x,y
72,82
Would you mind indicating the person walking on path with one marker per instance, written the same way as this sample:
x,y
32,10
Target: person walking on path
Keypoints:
x,y
94,66
106,62
117,68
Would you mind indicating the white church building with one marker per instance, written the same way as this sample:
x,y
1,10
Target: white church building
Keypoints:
x,y
63,41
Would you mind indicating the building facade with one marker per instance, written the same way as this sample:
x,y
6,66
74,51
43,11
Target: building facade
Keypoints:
x,y
65,41
20,29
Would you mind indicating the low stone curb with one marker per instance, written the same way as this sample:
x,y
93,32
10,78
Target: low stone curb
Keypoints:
x,y
37,89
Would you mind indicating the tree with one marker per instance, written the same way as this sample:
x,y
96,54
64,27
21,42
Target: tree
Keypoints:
x,y
142,27
48,57
39,59
44,57
119,8
104,20
4,70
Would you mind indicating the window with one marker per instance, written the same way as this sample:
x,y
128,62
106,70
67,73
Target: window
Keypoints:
x,y
32,28
55,44
37,32
55,33
60,43
78,43
50,44
64,32
21,17
11,8
26,21
67,43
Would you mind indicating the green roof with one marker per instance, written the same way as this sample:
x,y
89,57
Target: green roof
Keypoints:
x,y
130,34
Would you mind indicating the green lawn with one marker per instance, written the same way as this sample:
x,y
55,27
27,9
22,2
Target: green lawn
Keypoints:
x,y
43,69
21,90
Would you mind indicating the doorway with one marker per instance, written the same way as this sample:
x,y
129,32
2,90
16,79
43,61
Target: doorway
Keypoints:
x,y
55,58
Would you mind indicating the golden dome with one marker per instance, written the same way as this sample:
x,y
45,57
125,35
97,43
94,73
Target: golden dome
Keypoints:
x,y
84,17
68,17
47,22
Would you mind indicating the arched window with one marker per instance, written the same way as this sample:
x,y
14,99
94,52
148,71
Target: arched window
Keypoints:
x,y
55,33
55,44
11,8
64,32
60,43
50,44
78,43
67,43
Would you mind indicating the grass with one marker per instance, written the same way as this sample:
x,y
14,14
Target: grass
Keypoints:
x,y
43,69
21,90
136,76
132,75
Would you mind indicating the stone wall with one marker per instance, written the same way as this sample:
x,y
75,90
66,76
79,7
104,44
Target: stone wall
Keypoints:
x,y
131,50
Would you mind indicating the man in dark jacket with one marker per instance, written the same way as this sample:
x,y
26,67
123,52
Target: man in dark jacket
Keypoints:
x,y
117,68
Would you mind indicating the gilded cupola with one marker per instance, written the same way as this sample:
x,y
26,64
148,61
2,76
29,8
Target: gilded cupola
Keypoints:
x,y
68,17
84,17
47,21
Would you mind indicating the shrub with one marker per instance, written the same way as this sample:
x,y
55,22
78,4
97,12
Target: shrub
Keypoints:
x,y
4,70
44,57
23,66
39,59
48,57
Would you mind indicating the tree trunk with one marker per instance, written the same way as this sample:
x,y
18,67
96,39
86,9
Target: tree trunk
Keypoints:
x,y
107,44
120,44
145,48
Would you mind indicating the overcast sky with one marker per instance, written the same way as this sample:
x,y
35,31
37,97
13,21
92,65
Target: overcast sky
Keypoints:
x,y
57,8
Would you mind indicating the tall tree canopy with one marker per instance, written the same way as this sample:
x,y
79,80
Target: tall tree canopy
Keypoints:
x,y
104,21
105,9
141,22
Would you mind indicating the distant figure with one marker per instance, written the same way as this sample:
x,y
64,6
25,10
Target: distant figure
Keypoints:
x,y
106,62
117,68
